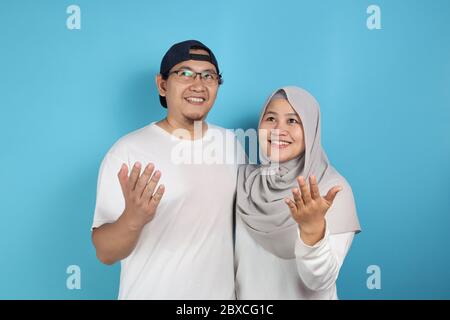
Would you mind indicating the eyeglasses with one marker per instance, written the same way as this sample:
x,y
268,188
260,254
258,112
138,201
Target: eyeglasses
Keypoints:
x,y
188,76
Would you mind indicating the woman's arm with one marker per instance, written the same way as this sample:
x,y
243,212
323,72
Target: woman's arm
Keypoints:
x,y
319,265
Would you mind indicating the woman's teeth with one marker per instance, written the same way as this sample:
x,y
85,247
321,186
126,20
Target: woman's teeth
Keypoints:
x,y
280,143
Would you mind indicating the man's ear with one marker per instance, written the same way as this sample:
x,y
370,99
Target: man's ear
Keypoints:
x,y
161,85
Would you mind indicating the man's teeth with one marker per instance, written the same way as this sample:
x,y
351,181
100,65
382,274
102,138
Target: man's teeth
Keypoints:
x,y
192,99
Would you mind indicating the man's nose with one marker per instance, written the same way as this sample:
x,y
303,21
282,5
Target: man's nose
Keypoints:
x,y
197,85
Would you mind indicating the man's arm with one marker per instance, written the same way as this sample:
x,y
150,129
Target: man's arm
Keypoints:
x,y
115,241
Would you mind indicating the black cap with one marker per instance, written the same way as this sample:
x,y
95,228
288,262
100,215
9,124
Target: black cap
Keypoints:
x,y
179,52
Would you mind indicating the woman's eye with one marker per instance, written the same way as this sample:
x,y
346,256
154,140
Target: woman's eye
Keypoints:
x,y
291,121
270,119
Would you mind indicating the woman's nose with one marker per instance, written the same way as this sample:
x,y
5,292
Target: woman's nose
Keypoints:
x,y
280,127
277,131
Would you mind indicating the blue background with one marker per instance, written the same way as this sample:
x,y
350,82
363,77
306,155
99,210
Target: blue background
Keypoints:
x,y
67,95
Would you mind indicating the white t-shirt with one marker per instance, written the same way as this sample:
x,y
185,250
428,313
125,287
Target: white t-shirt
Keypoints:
x,y
186,251
311,275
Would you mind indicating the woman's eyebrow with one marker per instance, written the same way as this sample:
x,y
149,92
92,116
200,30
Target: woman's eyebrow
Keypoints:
x,y
290,114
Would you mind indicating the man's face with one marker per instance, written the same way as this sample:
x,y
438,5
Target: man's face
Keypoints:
x,y
189,100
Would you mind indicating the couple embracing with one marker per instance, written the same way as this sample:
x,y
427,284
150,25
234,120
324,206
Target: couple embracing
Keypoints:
x,y
276,229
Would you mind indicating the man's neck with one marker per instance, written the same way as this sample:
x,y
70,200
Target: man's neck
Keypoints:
x,y
196,129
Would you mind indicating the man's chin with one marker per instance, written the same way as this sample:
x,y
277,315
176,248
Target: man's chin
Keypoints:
x,y
195,117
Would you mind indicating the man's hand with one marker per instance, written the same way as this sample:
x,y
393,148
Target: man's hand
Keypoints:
x,y
308,209
140,199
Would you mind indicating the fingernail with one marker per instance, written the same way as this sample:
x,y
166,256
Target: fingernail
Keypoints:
x,y
137,164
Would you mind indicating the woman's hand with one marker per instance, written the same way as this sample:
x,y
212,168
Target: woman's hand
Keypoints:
x,y
308,209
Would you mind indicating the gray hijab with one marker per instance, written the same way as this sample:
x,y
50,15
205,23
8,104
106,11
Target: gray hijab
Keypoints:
x,y
260,196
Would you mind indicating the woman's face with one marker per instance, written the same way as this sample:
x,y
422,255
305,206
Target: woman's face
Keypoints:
x,y
280,132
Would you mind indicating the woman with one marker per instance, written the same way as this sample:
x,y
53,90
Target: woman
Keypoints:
x,y
295,214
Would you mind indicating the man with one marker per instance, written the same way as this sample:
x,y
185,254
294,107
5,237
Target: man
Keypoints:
x,y
171,225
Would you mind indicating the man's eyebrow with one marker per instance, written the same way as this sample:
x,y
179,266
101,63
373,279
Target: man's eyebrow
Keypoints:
x,y
185,67
188,68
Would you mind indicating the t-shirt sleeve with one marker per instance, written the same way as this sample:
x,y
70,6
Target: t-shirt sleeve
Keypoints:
x,y
319,265
110,202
